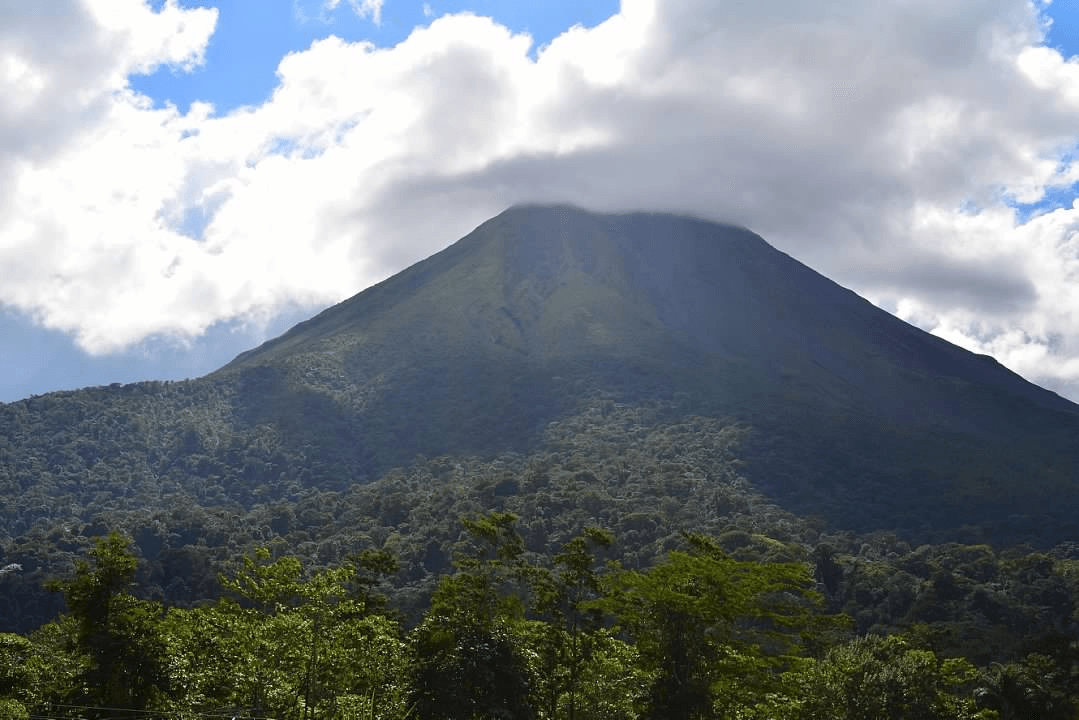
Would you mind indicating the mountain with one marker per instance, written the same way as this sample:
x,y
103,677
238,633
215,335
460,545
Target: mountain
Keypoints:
x,y
476,348
846,414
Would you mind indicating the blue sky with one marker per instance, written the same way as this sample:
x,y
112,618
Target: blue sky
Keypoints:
x,y
1064,33
144,238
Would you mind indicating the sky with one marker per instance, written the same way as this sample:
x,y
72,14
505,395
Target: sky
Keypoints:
x,y
181,180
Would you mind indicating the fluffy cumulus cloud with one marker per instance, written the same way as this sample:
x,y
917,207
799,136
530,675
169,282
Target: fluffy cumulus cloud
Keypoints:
x,y
886,144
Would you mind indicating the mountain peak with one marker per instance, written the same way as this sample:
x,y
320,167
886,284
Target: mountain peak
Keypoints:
x,y
557,281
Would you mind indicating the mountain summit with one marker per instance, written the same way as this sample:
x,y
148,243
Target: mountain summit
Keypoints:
x,y
637,303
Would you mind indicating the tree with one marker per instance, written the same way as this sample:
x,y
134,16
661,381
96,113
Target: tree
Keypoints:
x,y
714,631
290,646
566,640
467,659
15,676
1033,688
50,667
120,633
885,678
371,567
606,682
15,651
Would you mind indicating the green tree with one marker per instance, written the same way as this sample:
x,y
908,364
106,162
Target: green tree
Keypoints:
x,y
608,676
15,677
11,709
120,633
15,651
468,662
565,641
290,646
1032,688
370,568
885,678
53,671
713,631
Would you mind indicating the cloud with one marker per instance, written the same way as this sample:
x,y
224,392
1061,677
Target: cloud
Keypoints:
x,y
58,71
363,8
883,143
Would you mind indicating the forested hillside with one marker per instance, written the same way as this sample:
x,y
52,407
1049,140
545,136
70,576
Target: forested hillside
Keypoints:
x,y
553,448
542,315
963,621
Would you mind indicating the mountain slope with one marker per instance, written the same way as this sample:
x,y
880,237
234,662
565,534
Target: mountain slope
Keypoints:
x,y
857,417
632,302
547,284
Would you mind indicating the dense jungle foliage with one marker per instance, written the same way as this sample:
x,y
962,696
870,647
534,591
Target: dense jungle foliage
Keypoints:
x,y
702,633
487,588
617,467
627,468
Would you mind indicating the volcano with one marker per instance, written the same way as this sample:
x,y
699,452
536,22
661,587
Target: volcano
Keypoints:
x,y
853,416
858,416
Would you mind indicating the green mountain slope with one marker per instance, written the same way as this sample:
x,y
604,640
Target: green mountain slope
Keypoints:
x,y
673,297
476,348
540,314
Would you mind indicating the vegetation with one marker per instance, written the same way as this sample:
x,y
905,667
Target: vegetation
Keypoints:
x,y
700,634
559,470
552,315
485,587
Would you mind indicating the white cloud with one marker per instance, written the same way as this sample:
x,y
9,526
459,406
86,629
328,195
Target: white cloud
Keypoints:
x,y
857,136
364,8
